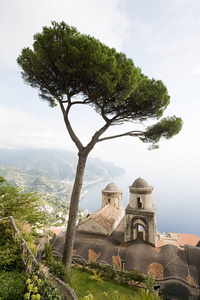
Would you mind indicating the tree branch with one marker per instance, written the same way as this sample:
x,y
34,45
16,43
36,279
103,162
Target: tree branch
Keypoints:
x,y
70,130
130,133
95,138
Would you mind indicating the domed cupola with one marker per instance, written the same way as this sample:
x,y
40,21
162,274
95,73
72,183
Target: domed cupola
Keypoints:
x,y
112,195
141,194
140,183
112,187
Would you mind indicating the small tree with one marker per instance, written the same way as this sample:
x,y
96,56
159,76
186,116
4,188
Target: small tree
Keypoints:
x,y
16,202
65,64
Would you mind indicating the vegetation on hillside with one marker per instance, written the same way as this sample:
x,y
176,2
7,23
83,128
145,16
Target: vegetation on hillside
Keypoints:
x,y
17,284
22,205
15,260
50,173
50,207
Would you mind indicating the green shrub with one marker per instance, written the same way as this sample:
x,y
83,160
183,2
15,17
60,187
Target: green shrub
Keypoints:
x,y
145,295
56,267
108,271
59,270
48,290
6,232
28,233
88,297
94,265
12,285
9,248
10,259
48,252
40,288
135,276
96,276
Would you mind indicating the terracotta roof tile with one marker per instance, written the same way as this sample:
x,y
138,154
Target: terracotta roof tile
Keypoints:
x,y
106,216
189,239
160,243
55,230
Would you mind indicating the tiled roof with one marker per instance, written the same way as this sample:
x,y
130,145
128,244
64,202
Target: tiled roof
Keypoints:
x,y
106,216
160,243
55,230
178,239
189,239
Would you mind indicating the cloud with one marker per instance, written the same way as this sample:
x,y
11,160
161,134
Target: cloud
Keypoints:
x,y
24,130
20,20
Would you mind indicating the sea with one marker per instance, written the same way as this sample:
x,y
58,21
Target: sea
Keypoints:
x,y
93,198
170,209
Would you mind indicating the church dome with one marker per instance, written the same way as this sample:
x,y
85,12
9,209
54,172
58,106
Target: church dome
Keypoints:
x,y
140,183
112,187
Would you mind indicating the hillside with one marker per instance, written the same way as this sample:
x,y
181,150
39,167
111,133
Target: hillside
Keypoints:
x,y
60,165
51,174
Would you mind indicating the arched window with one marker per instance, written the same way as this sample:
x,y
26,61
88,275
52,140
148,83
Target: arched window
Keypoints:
x,y
139,202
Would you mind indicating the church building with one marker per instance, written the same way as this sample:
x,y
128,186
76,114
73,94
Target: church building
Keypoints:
x,y
139,216
105,220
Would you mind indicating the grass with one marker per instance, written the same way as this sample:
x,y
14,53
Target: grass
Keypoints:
x,y
83,284
12,285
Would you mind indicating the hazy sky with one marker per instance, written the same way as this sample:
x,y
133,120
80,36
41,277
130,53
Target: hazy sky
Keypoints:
x,y
163,39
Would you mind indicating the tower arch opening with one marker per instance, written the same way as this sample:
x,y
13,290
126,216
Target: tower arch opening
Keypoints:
x,y
139,229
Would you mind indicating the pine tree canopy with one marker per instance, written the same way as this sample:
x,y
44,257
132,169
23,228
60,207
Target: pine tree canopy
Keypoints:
x,y
65,64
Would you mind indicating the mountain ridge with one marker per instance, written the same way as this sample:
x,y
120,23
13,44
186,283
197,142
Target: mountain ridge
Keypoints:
x,y
60,164
50,173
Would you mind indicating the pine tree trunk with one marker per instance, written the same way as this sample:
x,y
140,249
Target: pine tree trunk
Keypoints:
x,y
71,228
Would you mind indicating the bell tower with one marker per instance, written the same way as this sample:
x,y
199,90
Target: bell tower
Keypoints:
x,y
140,214
112,195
